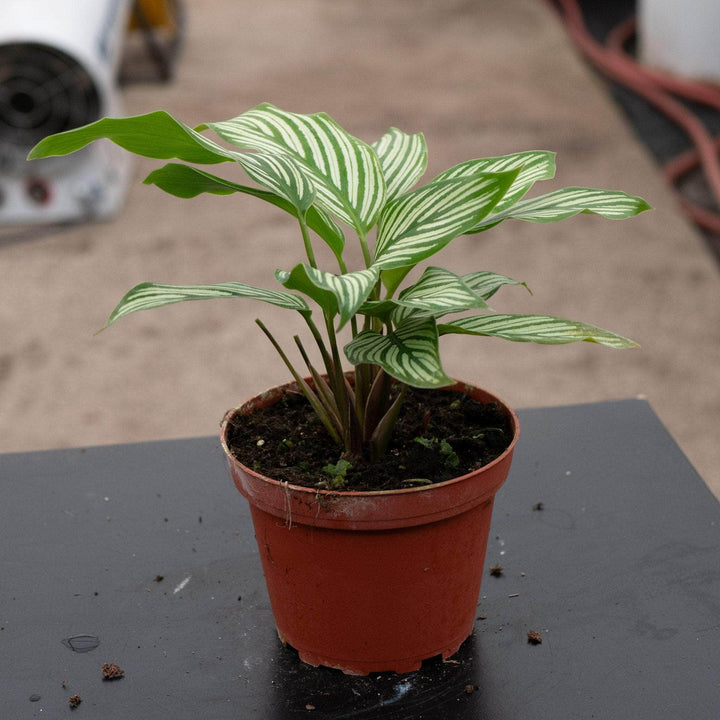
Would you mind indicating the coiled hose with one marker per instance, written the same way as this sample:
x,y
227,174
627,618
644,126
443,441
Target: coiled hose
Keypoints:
x,y
660,90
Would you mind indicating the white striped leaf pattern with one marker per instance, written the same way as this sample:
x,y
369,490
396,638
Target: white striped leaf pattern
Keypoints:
x,y
393,312
345,171
541,329
409,353
186,182
152,295
566,202
280,175
155,135
419,223
342,294
403,159
403,313
439,291
534,165
486,283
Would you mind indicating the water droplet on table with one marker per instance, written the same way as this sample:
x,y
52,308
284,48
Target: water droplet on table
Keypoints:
x,y
81,643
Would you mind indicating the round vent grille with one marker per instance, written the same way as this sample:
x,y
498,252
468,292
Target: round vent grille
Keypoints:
x,y
42,91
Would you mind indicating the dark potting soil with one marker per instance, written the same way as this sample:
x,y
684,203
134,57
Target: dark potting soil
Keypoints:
x,y
439,435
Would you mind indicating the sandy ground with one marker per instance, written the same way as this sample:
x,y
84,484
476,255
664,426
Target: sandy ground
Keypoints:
x,y
479,79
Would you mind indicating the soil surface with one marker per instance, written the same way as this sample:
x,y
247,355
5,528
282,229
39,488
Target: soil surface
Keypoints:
x,y
439,435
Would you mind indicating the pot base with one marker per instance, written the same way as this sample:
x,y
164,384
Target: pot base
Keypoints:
x,y
401,666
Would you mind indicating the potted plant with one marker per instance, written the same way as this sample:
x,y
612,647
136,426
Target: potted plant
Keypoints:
x,y
372,505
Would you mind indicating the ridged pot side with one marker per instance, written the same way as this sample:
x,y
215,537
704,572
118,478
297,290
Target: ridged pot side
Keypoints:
x,y
373,581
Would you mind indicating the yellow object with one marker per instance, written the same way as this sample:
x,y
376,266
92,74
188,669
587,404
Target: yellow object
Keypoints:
x,y
156,12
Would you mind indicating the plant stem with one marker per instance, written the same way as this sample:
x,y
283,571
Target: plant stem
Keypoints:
x,y
327,360
322,389
365,249
337,379
312,398
306,240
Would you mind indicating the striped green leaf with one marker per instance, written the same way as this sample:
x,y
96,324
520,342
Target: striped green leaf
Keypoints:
x,y
403,313
187,182
393,313
409,353
541,329
342,294
437,293
152,295
345,171
533,165
441,291
565,203
403,159
486,283
155,135
280,175
418,224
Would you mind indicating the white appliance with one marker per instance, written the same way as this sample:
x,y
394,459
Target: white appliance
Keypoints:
x,y
58,70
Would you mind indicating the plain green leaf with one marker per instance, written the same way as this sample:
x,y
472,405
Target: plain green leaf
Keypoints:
x,y
155,135
186,182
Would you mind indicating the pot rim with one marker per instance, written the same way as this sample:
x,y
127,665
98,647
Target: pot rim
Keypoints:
x,y
316,493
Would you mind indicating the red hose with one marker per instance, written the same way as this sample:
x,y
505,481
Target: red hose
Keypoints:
x,y
656,88
700,92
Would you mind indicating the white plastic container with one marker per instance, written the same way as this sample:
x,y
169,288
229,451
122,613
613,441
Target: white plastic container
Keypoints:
x,y
681,37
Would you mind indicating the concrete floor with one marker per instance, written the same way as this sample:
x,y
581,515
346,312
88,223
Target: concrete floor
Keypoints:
x,y
478,78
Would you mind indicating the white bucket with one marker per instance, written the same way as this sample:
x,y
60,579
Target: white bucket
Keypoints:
x,y
681,37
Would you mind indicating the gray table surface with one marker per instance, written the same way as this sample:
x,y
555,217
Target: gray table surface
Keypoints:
x,y
149,548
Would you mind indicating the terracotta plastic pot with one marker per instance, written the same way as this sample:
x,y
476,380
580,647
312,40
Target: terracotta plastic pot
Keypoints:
x,y
373,581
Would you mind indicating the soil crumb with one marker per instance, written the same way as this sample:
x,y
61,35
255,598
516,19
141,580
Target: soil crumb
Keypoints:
x,y
110,671
534,637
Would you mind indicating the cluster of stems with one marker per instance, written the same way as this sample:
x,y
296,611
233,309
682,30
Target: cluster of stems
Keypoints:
x,y
358,410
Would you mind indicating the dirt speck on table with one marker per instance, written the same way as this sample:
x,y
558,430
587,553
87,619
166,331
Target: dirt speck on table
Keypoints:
x,y
110,671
